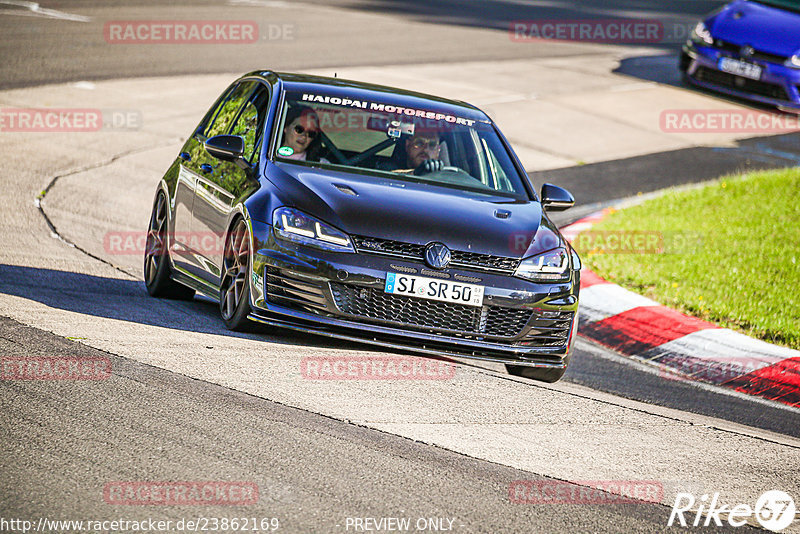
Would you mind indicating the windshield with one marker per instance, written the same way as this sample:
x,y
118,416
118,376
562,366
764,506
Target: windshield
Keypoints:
x,y
425,146
792,5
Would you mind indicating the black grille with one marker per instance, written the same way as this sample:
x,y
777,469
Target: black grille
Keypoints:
x,y
757,54
414,252
388,247
288,290
470,259
548,329
740,83
429,315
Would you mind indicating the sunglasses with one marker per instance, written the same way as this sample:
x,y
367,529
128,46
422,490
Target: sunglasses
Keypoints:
x,y
430,144
299,130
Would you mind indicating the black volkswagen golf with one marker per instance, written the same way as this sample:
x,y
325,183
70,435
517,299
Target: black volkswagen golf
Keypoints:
x,y
366,213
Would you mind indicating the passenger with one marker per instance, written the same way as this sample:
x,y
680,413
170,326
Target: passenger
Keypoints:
x,y
302,135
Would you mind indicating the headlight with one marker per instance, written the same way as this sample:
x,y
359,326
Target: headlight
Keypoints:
x,y
294,225
793,61
700,34
576,260
550,266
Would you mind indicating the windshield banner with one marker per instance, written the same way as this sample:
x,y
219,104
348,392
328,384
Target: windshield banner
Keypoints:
x,y
386,108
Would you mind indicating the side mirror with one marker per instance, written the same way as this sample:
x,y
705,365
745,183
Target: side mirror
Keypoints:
x,y
225,147
556,198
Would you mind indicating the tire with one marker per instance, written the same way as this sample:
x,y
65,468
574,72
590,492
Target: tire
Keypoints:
x,y
683,67
234,288
548,375
684,62
157,271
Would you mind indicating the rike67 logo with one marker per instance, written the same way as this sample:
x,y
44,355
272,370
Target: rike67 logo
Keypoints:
x,y
774,510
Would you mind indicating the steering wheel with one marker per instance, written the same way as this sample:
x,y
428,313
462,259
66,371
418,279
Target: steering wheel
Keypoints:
x,y
458,171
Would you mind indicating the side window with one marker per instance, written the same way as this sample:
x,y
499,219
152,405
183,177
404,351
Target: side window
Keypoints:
x,y
208,119
250,123
227,111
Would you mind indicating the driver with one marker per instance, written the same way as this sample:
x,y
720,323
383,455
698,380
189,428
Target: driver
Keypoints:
x,y
422,150
422,154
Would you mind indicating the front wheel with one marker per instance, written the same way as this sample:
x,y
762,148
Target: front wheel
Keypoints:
x,y
234,291
683,67
548,375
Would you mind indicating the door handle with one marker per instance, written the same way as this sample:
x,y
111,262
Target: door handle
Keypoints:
x,y
185,156
206,168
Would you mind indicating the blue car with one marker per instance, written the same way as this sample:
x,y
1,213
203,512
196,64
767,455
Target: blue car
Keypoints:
x,y
749,50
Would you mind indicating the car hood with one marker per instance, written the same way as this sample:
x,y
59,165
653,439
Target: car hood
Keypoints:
x,y
765,28
400,210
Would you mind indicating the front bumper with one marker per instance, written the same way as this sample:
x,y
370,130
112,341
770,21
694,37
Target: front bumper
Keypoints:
x,y
342,295
779,85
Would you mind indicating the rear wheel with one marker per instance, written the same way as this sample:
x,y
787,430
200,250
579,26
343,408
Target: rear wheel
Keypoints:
x,y
157,270
549,375
234,291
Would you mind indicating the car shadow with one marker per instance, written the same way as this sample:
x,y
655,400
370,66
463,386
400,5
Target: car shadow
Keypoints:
x,y
128,300
663,69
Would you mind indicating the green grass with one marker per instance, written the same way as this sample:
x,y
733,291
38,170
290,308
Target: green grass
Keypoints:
x,y
731,253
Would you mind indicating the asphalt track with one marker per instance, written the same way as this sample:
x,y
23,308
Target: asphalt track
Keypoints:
x,y
364,32
313,467
313,472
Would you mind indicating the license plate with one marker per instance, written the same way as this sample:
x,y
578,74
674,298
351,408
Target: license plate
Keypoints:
x,y
433,289
740,68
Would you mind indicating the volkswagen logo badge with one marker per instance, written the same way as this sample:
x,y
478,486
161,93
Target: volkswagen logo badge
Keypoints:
x,y
437,255
747,51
